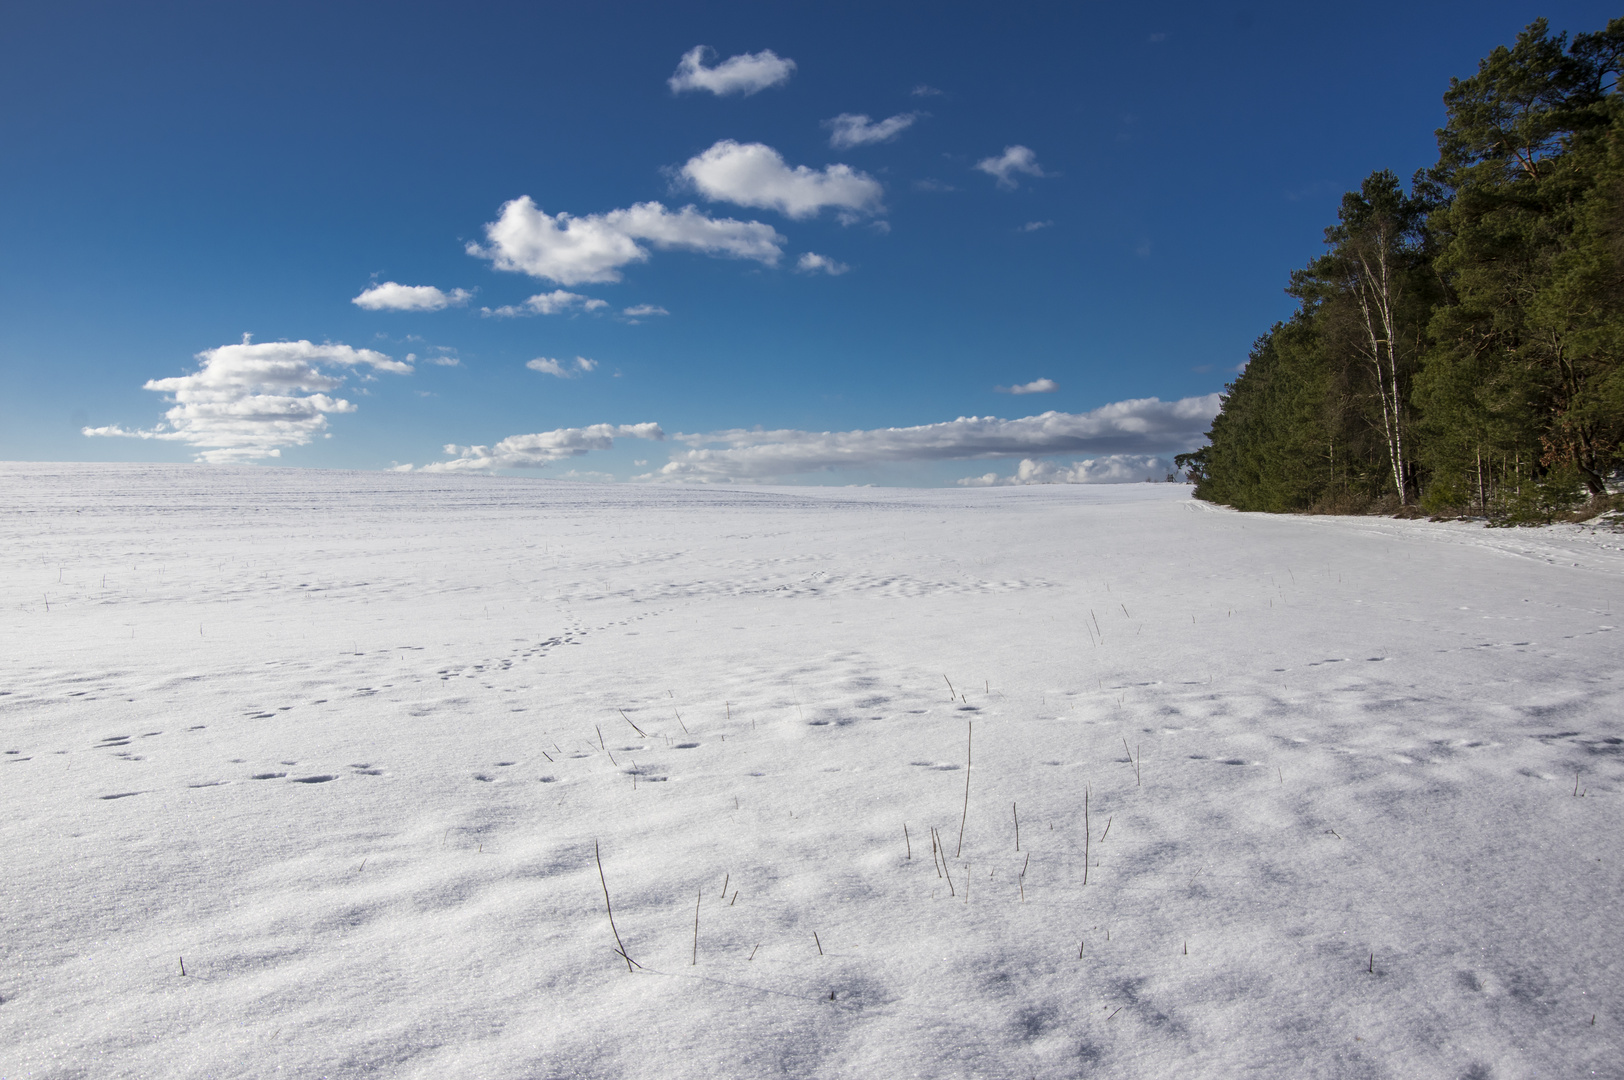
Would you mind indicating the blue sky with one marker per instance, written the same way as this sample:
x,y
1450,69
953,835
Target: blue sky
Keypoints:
x,y
1104,199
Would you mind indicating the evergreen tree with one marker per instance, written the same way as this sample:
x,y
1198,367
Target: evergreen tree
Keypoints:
x,y
1523,357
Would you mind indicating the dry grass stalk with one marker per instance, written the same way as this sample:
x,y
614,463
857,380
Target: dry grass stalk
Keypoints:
x,y
628,720
968,739
1086,833
611,911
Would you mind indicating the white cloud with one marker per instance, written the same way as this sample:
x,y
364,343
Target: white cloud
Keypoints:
x,y
1115,469
571,250
444,359
811,262
754,174
745,74
391,296
247,401
1015,159
1036,386
563,370
551,303
856,129
1138,426
539,450
925,91
1034,226
643,311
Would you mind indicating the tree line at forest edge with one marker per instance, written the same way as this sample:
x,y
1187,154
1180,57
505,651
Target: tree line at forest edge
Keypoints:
x,y
1458,348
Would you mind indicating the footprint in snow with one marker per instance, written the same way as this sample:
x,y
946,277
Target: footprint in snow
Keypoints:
x,y
319,779
268,776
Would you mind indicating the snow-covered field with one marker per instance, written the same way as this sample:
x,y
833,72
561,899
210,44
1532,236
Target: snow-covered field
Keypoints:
x,y
346,744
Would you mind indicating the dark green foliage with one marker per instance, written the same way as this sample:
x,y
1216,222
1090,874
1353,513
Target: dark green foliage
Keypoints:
x,y
1460,345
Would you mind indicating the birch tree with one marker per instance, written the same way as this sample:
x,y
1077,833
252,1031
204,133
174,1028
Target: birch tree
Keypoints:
x,y
1372,294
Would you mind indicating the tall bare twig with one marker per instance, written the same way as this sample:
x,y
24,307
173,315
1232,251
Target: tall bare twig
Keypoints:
x,y
611,911
968,739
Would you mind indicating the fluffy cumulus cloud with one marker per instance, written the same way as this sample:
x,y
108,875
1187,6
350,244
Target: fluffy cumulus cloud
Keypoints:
x,y
1036,386
552,303
643,311
746,74
541,449
246,402
1014,161
813,263
562,369
571,250
1114,469
755,175
392,296
1138,426
856,129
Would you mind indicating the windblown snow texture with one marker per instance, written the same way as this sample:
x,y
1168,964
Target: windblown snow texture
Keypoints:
x,y
349,746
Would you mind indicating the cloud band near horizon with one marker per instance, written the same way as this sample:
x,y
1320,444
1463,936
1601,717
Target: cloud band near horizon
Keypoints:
x,y
1132,436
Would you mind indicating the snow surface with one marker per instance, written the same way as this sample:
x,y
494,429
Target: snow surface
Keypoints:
x,y
345,744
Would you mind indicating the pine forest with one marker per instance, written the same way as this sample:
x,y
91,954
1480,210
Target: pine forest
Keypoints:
x,y
1457,350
